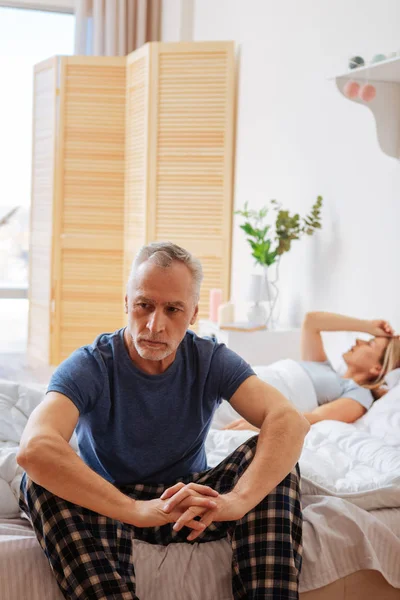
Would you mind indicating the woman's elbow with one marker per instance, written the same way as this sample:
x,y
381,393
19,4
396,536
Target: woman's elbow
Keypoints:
x,y
309,320
356,415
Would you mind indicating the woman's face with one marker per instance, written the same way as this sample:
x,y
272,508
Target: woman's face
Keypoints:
x,y
366,356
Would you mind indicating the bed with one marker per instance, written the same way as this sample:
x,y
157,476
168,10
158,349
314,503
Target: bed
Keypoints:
x,y
351,508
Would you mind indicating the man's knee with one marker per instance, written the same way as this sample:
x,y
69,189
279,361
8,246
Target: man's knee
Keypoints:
x,y
291,483
248,448
32,495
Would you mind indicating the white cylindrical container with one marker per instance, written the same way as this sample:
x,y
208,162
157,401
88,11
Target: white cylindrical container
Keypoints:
x,y
226,313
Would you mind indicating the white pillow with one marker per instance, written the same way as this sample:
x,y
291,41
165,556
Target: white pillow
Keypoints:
x,y
393,378
17,402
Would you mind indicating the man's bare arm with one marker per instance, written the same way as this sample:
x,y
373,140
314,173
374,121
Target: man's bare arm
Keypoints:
x,y
49,460
281,438
279,445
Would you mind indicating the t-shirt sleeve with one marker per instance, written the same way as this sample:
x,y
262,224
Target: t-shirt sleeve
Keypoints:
x,y
358,393
80,378
230,370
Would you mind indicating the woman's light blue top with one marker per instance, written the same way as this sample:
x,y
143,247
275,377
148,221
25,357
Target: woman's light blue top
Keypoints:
x,y
329,385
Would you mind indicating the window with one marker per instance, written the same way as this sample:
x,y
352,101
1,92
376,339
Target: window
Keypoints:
x,y
26,38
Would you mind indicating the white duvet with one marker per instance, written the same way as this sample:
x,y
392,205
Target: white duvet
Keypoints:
x,y
360,462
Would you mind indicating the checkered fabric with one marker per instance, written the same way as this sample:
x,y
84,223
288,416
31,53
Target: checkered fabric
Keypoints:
x,y
90,554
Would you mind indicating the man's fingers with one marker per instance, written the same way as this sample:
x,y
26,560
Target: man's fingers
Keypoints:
x,y
195,534
188,516
188,490
192,500
176,499
172,490
206,520
205,490
196,526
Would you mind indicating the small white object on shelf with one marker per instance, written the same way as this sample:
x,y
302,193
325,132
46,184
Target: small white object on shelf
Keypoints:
x,y
226,313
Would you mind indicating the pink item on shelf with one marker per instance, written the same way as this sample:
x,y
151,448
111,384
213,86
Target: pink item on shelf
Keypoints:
x,y
215,302
367,92
351,89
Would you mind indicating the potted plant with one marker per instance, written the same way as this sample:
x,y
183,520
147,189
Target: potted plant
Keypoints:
x,y
268,242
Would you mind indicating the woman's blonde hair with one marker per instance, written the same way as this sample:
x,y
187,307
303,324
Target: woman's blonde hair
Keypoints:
x,y
390,360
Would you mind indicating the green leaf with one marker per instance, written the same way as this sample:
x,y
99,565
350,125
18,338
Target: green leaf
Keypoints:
x,y
247,228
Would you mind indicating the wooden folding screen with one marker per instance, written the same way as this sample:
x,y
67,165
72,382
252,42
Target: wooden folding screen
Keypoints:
x,y
180,137
126,150
77,223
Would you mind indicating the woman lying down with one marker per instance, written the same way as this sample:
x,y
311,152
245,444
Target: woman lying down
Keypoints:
x,y
344,397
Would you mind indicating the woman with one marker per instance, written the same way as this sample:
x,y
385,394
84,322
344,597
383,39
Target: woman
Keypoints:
x,y
344,397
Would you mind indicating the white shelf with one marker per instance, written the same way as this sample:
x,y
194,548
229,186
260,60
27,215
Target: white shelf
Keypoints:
x,y
386,71
385,76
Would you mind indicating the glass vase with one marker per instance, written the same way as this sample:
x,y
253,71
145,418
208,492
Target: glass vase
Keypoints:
x,y
271,291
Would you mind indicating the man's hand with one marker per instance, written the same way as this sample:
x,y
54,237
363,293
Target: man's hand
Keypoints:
x,y
241,425
153,513
228,507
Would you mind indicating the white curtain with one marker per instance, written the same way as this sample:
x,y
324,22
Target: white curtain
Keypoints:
x,y
115,27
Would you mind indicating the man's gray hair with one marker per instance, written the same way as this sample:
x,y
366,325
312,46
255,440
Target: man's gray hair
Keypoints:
x,y
163,254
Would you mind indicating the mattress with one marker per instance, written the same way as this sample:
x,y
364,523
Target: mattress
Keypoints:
x,y
340,539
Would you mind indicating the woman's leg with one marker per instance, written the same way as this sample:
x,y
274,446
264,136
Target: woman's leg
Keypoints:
x,y
267,541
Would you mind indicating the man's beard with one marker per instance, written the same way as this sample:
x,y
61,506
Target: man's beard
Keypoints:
x,y
148,353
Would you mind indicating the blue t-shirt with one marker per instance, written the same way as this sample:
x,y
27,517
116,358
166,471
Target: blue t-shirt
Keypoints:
x,y
329,385
139,428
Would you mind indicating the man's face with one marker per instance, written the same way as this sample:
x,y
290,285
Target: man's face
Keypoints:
x,y
160,307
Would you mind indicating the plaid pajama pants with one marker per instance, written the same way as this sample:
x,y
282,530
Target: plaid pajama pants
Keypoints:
x,y
90,554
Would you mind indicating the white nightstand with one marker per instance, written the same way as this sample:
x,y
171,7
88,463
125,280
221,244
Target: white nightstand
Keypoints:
x,y
256,347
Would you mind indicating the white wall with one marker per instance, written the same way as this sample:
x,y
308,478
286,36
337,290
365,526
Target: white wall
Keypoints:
x,y
171,20
298,137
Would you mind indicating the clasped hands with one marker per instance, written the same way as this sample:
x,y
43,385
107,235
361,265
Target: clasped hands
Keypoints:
x,y
181,504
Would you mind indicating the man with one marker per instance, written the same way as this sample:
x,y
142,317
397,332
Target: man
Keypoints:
x,y
142,399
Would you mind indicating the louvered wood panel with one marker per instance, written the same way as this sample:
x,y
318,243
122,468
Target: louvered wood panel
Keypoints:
x,y
41,220
136,177
191,170
92,144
